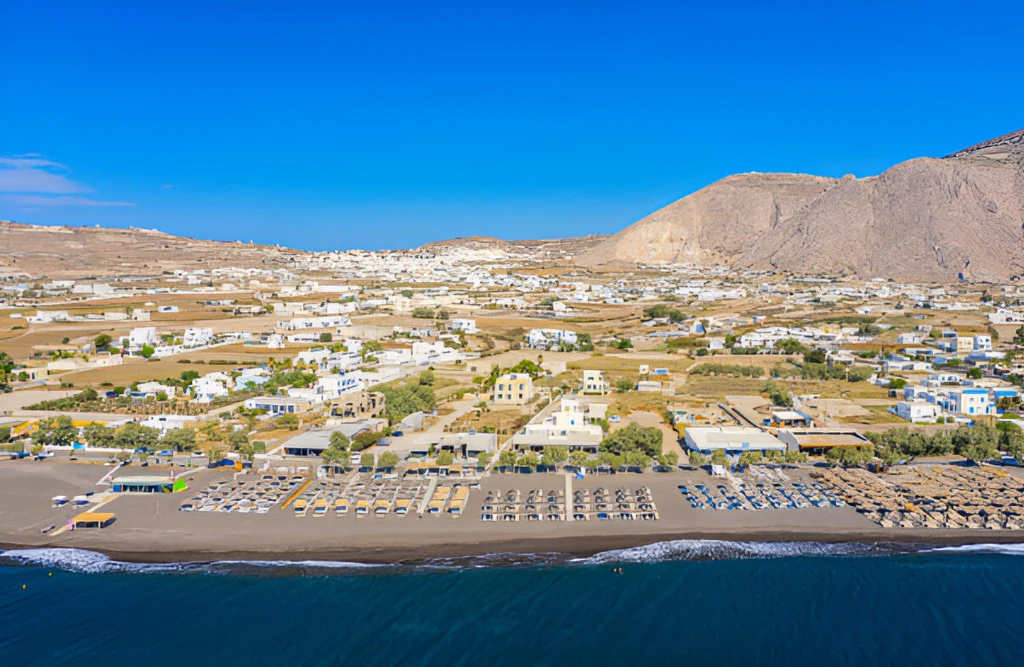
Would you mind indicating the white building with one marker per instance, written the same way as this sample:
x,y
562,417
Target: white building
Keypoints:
x,y
917,411
140,336
464,325
731,440
547,338
197,337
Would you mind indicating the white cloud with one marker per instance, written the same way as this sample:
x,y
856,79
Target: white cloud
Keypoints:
x,y
32,180
59,200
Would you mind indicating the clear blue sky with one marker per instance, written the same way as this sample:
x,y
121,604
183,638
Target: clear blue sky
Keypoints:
x,y
376,125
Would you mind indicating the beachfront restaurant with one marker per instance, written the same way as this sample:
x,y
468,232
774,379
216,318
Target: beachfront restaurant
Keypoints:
x,y
93,520
820,440
733,440
148,484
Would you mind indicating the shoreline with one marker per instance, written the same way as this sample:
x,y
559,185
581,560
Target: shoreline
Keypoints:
x,y
581,546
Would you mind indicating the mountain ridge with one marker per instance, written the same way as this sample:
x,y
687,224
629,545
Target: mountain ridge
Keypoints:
x,y
925,219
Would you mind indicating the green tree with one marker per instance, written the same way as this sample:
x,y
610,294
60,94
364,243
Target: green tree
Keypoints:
x,y
623,384
795,457
63,433
668,460
147,351
247,451
6,366
340,441
99,435
778,394
366,460
636,458
1018,336
719,458
237,439
445,457
555,456
790,346
427,378
180,439
507,459
697,459
750,458
814,356
5,434
288,421
387,460
974,373
578,458
188,376
102,342
634,438
326,337
334,456
528,460
609,459
133,435
482,459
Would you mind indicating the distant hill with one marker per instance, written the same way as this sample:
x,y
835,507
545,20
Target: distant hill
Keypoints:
x,y
100,251
547,248
925,219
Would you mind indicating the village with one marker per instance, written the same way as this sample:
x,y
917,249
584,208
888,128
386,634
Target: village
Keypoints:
x,y
474,384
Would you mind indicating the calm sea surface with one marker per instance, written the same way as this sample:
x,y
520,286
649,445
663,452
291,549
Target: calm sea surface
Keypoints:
x,y
748,607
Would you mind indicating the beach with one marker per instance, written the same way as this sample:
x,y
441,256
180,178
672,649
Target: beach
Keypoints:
x,y
149,527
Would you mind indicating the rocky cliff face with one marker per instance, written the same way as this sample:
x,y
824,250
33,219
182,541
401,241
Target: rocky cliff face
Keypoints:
x,y
922,220
714,225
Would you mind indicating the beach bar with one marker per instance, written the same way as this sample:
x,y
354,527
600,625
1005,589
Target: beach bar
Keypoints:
x,y
148,484
94,520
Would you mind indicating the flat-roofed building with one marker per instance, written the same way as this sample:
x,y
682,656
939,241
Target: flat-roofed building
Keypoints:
x,y
731,440
821,439
594,383
513,389
277,405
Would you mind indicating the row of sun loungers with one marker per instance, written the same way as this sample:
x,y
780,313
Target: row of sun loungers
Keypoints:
x,y
602,505
257,496
771,491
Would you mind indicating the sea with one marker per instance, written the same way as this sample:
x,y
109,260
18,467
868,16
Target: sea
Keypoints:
x,y
679,603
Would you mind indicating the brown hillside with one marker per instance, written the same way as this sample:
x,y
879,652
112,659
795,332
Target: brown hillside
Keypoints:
x,y
925,220
77,252
714,225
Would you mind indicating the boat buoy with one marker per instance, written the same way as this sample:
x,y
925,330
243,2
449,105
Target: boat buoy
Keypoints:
x,y
50,574
23,587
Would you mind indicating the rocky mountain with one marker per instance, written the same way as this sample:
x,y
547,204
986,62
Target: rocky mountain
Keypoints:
x,y
922,220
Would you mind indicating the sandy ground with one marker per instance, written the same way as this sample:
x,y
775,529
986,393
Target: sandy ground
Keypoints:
x,y
17,400
150,527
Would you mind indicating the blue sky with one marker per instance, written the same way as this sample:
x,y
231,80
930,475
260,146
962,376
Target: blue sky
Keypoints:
x,y
381,125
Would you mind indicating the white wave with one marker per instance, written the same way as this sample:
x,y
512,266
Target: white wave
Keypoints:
x,y
721,549
92,562
1009,549
83,560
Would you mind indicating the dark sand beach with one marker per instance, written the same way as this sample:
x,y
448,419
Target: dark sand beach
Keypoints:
x,y
149,528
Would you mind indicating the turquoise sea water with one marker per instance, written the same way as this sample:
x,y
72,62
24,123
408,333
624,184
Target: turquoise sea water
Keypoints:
x,y
763,605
